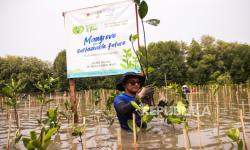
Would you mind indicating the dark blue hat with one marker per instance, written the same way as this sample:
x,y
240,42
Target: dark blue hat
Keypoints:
x,y
127,76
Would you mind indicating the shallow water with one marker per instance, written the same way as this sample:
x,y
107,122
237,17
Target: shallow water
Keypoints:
x,y
99,135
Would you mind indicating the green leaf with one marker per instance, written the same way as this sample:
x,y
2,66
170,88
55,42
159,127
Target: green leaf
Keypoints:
x,y
33,135
8,91
26,141
151,69
154,22
240,145
145,108
173,120
147,118
134,104
233,134
130,125
143,9
181,109
49,134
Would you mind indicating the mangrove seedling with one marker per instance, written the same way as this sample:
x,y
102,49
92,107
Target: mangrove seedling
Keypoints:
x,y
108,114
234,135
68,114
53,119
12,91
40,142
143,111
45,86
77,131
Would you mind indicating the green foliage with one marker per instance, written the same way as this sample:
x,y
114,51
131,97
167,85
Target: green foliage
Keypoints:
x,y
77,131
133,38
128,60
135,105
60,71
45,86
97,97
153,22
173,119
40,142
130,125
214,88
108,114
26,69
234,135
109,102
109,117
53,118
78,29
143,9
12,91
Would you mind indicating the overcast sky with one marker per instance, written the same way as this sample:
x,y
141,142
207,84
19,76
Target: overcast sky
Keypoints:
x,y
35,27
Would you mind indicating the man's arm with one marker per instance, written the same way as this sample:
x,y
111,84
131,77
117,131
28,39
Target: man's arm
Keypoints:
x,y
124,108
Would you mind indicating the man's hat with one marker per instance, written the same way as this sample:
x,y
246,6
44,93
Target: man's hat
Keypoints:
x,y
127,76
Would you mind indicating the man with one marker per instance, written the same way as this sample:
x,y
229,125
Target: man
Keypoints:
x,y
131,83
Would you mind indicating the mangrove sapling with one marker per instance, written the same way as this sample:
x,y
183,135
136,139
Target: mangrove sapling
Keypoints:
x,y
40,142
53,119
77,131
108,114
68,112
143,112
45,87
234,135
15,139
12,91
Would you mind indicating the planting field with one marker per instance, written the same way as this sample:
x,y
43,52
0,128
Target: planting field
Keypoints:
x,y
228,107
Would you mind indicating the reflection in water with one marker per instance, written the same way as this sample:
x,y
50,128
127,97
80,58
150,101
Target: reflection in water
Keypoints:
x,y
205,131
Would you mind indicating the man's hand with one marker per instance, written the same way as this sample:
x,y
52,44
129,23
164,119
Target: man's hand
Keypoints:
x,y
146,91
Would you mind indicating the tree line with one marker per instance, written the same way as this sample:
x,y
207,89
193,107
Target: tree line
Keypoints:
x,y
200,62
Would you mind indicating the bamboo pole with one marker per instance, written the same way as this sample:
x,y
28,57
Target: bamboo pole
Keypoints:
x,y
19,121
198,125
134,130
84,132
119,139
8,137
246,141
187,145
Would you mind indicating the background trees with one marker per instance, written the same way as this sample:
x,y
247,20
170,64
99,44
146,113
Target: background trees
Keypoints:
x,y
200,62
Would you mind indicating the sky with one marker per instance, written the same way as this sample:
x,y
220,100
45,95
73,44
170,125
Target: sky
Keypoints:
x,y
36,28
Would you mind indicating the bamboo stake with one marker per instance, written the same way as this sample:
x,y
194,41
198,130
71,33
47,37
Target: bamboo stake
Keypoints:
x,y
84,132
187,145
8,137
246,141
19,121
134,130
119,141
198,124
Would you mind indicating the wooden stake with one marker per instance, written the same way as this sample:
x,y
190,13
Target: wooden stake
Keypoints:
x,y
119,141
134,130
187,145
198,124
19,121
8,137
246,141
84,132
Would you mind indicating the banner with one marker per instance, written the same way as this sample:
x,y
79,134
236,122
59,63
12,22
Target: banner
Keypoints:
x,y
98,40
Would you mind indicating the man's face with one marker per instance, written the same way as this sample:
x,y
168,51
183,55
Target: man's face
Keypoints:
x,y
132,85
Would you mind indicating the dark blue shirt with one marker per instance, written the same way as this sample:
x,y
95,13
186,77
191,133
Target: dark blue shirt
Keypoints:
x,y
123,119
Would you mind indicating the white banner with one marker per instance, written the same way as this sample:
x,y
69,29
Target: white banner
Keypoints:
x,y
99,40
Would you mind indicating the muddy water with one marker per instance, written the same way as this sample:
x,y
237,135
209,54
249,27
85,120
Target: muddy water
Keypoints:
x,y
217,114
